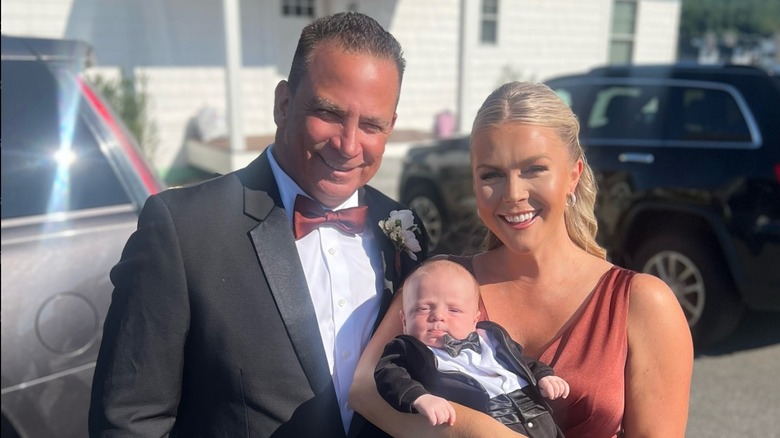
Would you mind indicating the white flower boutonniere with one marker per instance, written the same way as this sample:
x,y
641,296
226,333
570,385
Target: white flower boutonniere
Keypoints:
x,y
402,231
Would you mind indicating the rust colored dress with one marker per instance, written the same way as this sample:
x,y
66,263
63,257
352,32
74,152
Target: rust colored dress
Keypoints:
x,y
591,355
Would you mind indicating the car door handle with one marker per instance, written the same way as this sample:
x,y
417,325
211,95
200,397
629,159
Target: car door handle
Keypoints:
x,y
629,157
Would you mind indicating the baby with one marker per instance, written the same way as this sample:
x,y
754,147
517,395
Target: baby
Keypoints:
x,y
445,354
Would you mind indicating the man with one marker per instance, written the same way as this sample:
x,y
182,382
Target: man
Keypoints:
x,y
222,323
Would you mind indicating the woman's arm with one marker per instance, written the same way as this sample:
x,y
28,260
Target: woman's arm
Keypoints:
x,y
660,362
365,399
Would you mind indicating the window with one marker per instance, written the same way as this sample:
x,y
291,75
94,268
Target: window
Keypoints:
x,y
565,96
623,112
298,8
707,115
489,22
621,48
575,96
665,113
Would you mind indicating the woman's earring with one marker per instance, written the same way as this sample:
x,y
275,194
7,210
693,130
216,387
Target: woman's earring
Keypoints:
x,y
571,199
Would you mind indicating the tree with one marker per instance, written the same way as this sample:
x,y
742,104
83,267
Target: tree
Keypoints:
x,y
749,17
130,100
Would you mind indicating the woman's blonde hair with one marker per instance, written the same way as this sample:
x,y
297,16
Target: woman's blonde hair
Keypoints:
x,y
537,104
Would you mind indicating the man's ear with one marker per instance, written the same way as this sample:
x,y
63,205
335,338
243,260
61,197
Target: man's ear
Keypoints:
x,y
403,319
281,102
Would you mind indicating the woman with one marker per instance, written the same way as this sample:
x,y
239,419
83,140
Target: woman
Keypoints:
x,y
618,337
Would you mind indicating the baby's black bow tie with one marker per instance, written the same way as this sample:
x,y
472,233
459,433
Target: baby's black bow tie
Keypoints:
x,y
453,346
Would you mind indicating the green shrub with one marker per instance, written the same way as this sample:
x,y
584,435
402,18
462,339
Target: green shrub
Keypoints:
x,y
130,100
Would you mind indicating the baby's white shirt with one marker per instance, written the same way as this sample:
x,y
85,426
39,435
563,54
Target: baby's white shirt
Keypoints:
x,y
483,367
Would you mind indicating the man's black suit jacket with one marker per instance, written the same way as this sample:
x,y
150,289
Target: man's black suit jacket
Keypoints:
x,y
211,330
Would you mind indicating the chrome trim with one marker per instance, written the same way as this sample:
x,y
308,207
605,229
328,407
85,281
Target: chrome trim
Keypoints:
x,y
48,378
695,144
66,233
632,157
65,216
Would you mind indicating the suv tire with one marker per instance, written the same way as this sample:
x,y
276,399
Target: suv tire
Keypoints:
x,y
695,270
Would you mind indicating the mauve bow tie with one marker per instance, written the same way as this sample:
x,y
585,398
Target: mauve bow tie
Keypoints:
x,y
453,346
309,214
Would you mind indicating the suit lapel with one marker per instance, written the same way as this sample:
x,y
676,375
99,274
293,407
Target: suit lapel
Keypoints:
x,y
377,212
275,246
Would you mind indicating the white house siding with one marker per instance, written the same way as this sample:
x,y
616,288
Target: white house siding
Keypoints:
x,y
178,45
536,39
428,32
180,93
657,31
44,18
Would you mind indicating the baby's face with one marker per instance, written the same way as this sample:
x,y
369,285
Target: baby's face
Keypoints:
x,y
443,302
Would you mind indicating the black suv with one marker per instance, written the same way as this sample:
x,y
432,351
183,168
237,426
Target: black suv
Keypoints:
x,y
687,160
435,182
73,182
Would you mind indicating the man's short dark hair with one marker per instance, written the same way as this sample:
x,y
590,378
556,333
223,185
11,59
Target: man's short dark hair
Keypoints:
x,y
351,31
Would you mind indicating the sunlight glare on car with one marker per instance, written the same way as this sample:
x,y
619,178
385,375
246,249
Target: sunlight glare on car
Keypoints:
x,y
64,157
60,187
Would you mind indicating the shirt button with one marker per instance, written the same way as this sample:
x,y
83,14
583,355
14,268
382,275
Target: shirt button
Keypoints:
x,y
344,354
341,302
530,425
332,251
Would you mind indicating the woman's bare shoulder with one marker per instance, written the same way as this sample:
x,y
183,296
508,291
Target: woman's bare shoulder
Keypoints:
x,y
649,290
652,303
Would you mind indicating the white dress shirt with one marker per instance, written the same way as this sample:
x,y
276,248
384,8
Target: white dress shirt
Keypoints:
x,y
344,274
484,367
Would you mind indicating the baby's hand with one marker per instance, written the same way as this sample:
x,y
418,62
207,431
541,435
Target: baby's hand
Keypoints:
x,y
553,387
436,409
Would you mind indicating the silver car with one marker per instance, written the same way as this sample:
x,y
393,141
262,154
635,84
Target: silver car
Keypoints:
x,y
73,182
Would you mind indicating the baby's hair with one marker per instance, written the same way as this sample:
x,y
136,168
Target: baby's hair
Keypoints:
x,y
431,265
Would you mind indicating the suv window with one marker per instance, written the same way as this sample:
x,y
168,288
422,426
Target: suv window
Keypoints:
x,y
39,173
674,113
623,112
706,114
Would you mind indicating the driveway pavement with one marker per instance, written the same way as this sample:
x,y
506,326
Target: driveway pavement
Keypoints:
x,y
736,384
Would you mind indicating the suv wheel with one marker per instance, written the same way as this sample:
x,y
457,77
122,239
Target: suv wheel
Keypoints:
x,y
424,200
699,277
